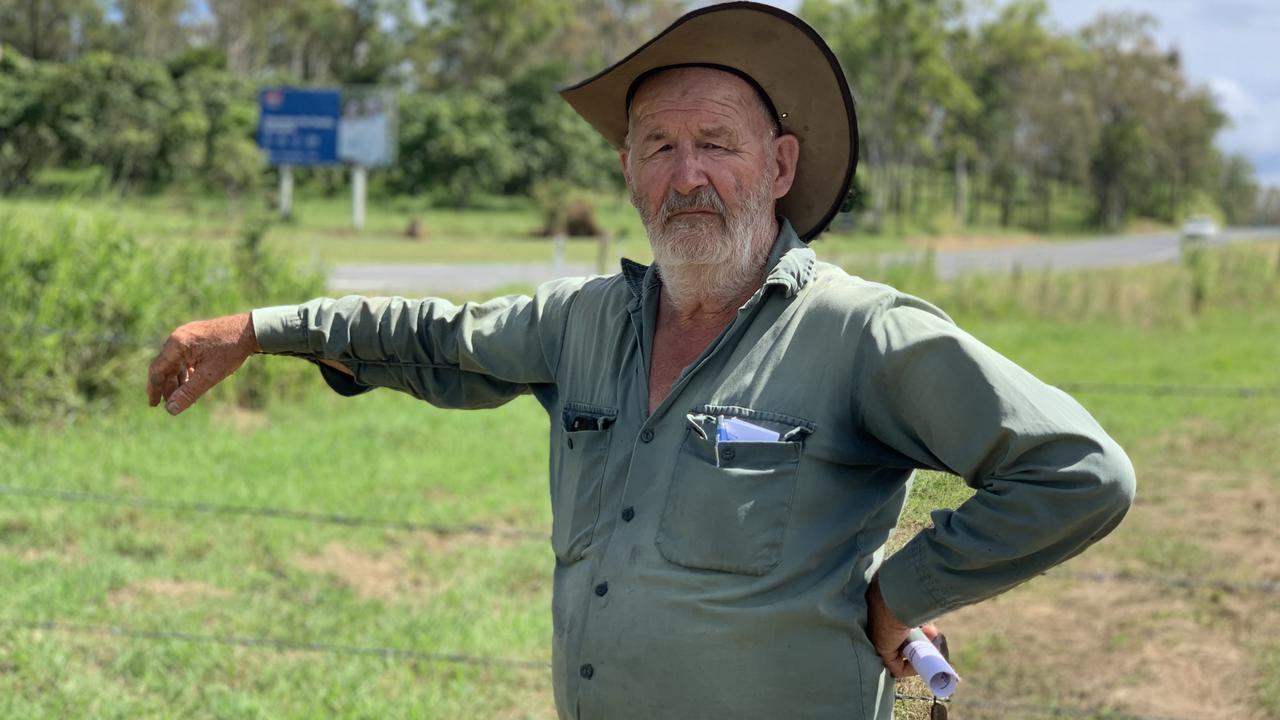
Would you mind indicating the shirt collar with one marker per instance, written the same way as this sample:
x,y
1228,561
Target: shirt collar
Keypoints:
x,y
790,265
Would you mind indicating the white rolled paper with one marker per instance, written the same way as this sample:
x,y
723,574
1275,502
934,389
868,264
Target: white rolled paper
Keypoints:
x,y
933,668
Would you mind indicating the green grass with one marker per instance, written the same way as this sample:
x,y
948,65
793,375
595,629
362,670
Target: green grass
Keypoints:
x,y
149,569
387,456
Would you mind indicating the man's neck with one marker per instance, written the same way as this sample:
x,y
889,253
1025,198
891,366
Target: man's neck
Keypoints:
x,y
692,297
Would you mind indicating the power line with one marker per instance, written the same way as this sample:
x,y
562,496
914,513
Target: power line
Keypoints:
x,y
133,501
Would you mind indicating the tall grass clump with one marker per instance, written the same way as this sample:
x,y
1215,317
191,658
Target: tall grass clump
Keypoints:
x,y
1231,278
87,304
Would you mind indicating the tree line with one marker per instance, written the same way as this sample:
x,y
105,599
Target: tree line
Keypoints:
x,y
968,114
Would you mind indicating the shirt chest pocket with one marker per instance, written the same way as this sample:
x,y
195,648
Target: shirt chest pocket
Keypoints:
x,y
577,473
729,501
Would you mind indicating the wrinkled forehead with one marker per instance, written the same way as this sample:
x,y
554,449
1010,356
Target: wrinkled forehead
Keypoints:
x,y
698,87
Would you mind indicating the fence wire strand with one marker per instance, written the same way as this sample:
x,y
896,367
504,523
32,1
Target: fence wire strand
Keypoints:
x,y
400,653
140,502
134,501
1205,391
271,643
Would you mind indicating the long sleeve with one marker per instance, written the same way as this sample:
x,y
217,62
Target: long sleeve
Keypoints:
x,y
1049,480
473,355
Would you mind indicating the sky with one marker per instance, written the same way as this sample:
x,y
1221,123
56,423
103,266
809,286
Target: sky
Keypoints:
x,y
1233,46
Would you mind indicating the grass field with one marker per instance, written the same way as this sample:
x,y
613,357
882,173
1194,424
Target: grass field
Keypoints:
x,y
1207,490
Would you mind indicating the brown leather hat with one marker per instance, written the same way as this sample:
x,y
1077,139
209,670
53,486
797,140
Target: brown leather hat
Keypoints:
x,y
786,59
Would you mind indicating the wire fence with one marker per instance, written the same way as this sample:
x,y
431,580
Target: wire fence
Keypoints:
x,y
1003,708
1157,391
270,643
324,518
213,508
996,707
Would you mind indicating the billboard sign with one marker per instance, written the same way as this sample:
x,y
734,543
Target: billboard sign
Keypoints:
x,y
367,131
299,127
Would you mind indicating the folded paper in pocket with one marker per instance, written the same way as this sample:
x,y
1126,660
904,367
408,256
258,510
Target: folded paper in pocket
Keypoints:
x,y
736,430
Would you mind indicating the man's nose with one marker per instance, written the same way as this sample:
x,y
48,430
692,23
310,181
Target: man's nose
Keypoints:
x,y
689,174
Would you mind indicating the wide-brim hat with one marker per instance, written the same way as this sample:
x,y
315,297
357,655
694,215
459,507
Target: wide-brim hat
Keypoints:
x,y
789,62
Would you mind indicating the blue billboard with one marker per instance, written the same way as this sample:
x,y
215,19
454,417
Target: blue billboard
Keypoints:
x,y
299,127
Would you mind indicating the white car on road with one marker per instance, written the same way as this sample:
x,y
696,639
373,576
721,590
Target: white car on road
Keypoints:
x,y
1199,227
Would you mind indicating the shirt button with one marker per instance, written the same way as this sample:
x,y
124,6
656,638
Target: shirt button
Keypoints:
x,y
727,453
646,435
602,588
570,443
628,514
586,671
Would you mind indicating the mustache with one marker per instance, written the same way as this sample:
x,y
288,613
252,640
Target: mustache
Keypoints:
x,y
704,198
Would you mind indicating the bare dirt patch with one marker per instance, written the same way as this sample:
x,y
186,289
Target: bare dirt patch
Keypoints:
x,y
179,590
370,577
409,567
1137,642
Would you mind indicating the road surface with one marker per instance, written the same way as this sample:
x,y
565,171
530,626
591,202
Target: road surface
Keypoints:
x,y
1073,255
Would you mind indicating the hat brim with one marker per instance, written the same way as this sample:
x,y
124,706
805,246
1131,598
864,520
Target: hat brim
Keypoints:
x,y
790,62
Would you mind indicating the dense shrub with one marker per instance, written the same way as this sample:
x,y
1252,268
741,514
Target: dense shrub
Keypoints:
x,y
87,306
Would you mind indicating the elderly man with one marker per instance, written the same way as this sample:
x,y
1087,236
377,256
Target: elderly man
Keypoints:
x,y
733,429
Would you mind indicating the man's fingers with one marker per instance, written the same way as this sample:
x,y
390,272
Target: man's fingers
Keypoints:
x,y
898,665
162,376
197,384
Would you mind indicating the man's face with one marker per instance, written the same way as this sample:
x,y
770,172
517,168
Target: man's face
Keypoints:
x,y
702,165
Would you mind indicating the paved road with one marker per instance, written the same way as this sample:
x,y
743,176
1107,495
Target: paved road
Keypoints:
x,y
1075,255
1082,254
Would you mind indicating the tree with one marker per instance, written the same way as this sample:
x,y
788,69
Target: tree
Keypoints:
x,y
1156,140
898,54
1237,189
51,29
1034,127
456,141
151,28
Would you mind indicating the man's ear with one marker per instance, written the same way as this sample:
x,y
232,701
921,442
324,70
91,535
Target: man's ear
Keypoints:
x,y
626,168
786,154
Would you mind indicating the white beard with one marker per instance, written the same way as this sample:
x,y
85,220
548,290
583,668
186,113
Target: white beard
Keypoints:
x,y
710,260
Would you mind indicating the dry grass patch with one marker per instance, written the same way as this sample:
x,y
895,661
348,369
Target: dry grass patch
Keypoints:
x,y
176,590
370,577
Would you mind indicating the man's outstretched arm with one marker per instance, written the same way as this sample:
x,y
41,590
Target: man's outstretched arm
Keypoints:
x,y
464,356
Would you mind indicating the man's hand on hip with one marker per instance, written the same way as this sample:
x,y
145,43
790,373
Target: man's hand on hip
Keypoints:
x,y
198,356
888,634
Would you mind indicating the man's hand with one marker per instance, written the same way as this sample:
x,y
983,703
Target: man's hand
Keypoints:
x,y
888,634
198,356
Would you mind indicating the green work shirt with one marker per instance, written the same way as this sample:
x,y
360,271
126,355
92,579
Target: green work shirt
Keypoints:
x,y
698,577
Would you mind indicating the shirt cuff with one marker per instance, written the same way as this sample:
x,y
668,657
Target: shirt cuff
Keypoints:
x,y
907,589
280,329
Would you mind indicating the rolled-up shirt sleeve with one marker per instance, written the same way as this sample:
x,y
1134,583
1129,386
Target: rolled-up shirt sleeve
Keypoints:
x,y
473,355
1049,481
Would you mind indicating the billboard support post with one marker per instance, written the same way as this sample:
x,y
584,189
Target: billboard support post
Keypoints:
x,y
357,196
286,191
